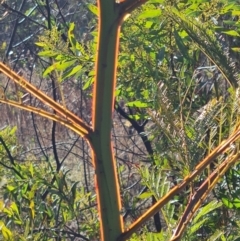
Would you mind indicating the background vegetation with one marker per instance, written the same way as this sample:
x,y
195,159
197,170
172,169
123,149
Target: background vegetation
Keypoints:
x,y
177,98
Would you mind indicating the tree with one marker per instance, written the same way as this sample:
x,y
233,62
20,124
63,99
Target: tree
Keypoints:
x,y
111,16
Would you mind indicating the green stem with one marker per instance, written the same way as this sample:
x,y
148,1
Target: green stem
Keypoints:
x,y
107,187
111,15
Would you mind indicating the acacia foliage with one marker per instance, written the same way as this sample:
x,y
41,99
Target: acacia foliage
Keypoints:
x,y
186,83
174,98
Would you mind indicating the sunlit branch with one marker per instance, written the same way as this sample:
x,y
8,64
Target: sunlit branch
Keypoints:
x,y
201,194
44,98
73,126
222,148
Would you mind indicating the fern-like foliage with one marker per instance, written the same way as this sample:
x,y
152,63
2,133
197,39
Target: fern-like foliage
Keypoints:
x,y
204,37
184,140
185,136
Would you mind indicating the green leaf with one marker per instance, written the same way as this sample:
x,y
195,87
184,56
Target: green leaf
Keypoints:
x,y
207,208
71,36
24,188
150,14
27,228
9,212
148,24
223,238
227,202
18,221
64,65
145,195
136,117
228,8
31,194
194,228
236,203
7,234
217,235
2,205
236,49
235,13
48,70
31,169
117,92
13,130
41,44
80,48
88,83
31,206
232,33
132,57
73,191
71,28
138,104
73,71
60,57
10,188
93,8
14,208
190,132
47,53
65,216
